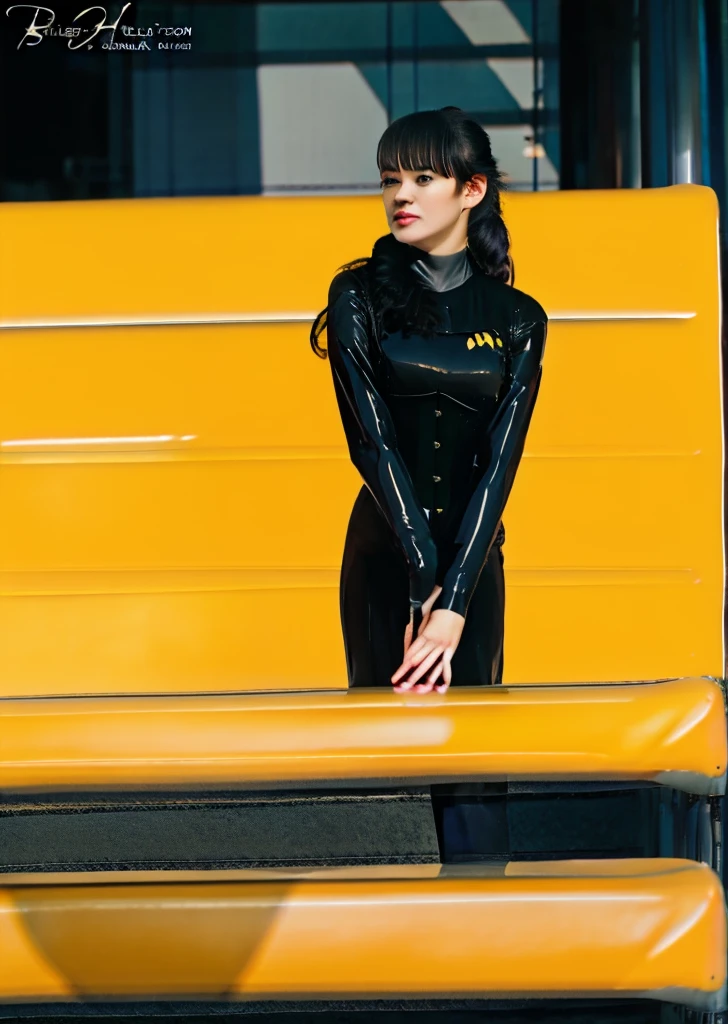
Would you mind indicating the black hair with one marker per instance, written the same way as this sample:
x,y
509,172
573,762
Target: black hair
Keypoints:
x,y
451,143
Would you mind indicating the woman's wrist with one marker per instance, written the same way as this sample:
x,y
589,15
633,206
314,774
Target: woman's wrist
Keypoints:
x,y
451,601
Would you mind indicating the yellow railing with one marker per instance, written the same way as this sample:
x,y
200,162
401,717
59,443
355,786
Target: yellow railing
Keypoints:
x,y
671,733
624,929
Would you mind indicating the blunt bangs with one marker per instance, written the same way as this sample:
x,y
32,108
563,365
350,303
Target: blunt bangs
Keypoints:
x,y
419,140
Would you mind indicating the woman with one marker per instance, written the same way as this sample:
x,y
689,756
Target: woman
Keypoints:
x,y
436,362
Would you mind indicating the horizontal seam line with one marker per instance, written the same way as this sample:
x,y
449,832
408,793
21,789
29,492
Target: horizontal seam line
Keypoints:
x,y
296,318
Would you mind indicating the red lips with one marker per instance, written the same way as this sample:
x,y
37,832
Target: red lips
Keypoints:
x,y
405,218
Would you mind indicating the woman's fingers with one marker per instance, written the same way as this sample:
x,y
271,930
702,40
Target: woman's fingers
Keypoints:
x,y
420,653
408,684
416,646
425,665
402,685
446,672
407,639
419,649
427,685
442,668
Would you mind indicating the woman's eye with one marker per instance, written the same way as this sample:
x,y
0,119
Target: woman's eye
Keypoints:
x,y
386,182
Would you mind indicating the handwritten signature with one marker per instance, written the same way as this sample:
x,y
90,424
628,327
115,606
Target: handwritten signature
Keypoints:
x,y
34,31
44,17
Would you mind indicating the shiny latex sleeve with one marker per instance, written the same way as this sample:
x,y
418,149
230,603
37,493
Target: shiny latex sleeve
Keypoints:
x,y
507,430
370,435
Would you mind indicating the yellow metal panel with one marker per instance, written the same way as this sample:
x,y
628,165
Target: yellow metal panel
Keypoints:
x,y
197,636
661,933
196,391
174,516
159,254
672,732
159,483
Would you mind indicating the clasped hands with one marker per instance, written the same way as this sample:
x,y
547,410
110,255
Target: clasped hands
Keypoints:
x,y
432,651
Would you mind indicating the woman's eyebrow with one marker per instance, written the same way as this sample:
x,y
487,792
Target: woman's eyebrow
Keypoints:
x,y
395,170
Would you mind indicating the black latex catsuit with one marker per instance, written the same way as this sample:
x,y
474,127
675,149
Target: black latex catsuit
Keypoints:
x,y
436,427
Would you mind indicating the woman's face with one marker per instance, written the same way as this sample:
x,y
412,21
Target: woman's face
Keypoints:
x,y
426,209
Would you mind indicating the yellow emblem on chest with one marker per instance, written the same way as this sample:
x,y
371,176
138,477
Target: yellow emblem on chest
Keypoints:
x,y
484,339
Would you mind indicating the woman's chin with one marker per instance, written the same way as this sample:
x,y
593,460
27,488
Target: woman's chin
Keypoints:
x,y
407,234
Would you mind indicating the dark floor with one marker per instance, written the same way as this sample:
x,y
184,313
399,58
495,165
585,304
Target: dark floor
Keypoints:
x,y
615,1012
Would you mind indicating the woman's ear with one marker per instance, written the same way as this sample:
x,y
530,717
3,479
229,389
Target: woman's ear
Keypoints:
x,y
474,191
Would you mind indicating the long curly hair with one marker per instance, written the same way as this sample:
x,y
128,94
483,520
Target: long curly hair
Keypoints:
x,y
451,143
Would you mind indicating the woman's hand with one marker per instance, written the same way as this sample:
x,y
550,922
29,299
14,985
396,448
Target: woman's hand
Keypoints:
x,y
431,653
426,609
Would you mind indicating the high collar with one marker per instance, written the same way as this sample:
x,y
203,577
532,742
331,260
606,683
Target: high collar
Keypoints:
x,y
442,273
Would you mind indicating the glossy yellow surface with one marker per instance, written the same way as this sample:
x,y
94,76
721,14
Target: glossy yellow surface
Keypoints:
x,y
175,496
672,732
661,933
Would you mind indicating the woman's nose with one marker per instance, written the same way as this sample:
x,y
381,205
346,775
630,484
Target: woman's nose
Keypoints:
x,y
403,193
